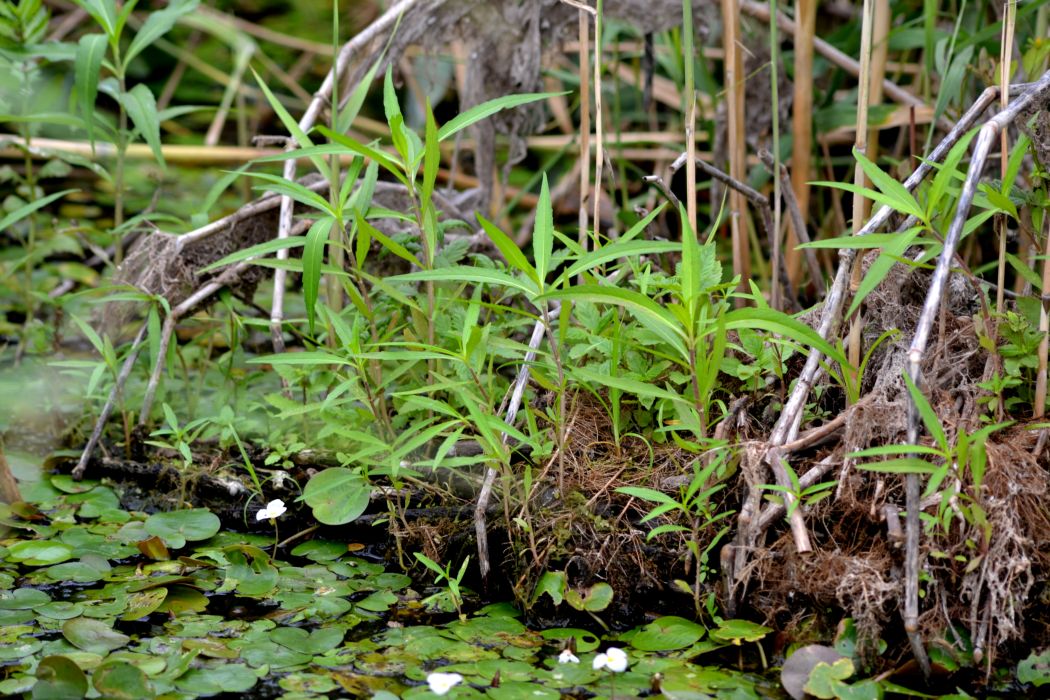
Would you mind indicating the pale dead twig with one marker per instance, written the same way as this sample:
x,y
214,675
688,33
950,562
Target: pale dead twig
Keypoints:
x,y
798,223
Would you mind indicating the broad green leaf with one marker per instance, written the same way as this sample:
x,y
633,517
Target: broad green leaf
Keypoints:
x,y
337,495
157,25
91,49
487,109
141,106
93,636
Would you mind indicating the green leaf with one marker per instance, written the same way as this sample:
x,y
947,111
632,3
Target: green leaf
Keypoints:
x,y
947,170
157,25
543,233
313,257
256,251
296,191
291,124
487,109
631,386
552,583
779,322
878,270
431,156
27,209
903,465
91,49
929,416
58,678
142,108
652,315
667,634
337,495
463,273
120,680
386,161
508,248
104,12
93,636
179,526
905,202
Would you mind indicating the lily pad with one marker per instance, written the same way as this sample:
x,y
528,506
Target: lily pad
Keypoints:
x,y
93,635
119,680
337,496
59,678
667,633
228,678
39,552
22,599
594,599
739,631
299,639
179,526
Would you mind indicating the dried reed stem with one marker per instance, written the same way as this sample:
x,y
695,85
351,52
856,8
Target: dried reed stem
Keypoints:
x,y
1044,331
801,129
737,146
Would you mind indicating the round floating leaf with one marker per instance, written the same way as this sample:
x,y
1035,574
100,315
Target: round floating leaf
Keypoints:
x,y
67,484
316,642
594,599
61,610
337,496
320,550
59,678
739,631
183,599
667,633
228,678
20,650
274,655
143,603
22,599
88,569
180,526
585,641
1035,669
518,690
119,680
93,635
39,552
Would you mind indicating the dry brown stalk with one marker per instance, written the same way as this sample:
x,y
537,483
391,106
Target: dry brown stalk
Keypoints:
x,y
734,77
1044,331
9,492
798,222
801,128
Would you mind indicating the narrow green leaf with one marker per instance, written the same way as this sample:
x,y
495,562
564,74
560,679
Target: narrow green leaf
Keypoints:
x,y
904,465
157,25
487,109
387,162
142,108
905,202
291,124
878,270
616,250
431,156
393,246
543,233
779,322
929,416
463,273
508,248
255,251
313,257
91,49
27,209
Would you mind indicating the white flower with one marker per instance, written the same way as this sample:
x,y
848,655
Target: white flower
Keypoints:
x,y
614,659
441,683
567,657
273,509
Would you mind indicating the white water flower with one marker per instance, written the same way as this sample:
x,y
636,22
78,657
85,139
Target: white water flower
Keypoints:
x,y
441,683
567,657
274,509
614,659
